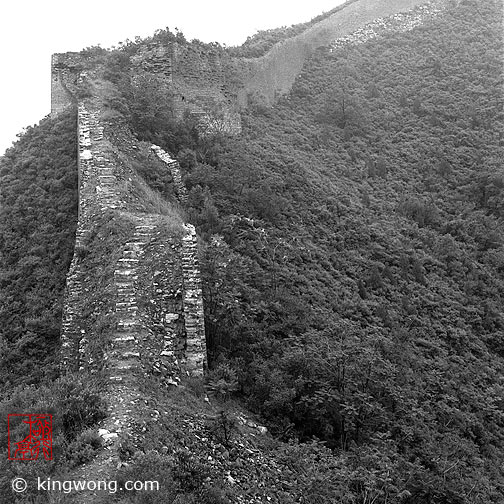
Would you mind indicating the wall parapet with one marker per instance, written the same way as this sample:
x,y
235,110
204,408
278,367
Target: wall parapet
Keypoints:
x,y
193,304
174,167
213,86
65,72
99,193
153,302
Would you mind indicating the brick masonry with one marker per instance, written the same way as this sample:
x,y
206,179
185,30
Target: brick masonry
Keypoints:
x,y
65,72
151,318
174,168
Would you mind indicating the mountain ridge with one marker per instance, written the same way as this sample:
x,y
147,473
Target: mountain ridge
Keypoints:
x,y
350,261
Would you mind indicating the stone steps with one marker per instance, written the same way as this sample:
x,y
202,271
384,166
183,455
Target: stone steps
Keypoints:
x,y
123,356
135,245
146,226
107,171
126,296
123,338
130,357
125,293
121,376
127,325
130,253
127,309
126,274
128,262
122,285
106,178
96,164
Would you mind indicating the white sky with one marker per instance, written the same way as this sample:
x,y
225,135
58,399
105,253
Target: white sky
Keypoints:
x,y
31,30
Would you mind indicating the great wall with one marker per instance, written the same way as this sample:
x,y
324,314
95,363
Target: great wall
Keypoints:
x,y
144,309
153,293
213,86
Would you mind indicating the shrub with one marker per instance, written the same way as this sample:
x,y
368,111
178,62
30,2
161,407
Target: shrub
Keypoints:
x,y
212,495
80,405
188,471
223,381
223,428
126,449
150,466
84,448
424,214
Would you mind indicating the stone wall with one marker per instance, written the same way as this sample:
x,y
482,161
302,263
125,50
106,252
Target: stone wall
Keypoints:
x,y
400,22
201,66
138,310
202,79
193,304
97,194
214,113
65,72
213,86
160,298
73,331
156,59
60,97
168,332
101,190
273,74
174,168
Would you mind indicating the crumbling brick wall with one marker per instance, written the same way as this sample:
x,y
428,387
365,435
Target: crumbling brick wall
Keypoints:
x,y
209,79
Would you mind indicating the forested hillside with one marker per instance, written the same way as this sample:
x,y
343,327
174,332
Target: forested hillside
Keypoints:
x,y
38,214
354,258
352,252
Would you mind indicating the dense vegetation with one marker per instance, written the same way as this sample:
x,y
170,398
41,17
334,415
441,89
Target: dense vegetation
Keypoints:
x,y
261,42
38,216
354,258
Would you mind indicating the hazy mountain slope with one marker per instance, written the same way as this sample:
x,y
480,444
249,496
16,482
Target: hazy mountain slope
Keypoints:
x,y
261,42
370,283
353,258
352,255
275,72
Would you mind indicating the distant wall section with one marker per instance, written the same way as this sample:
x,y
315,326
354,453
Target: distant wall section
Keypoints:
x,y
274,73
213,86
65,72
203,80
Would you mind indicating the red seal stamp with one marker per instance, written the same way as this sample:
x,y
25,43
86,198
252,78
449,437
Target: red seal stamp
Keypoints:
x,y
27,435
